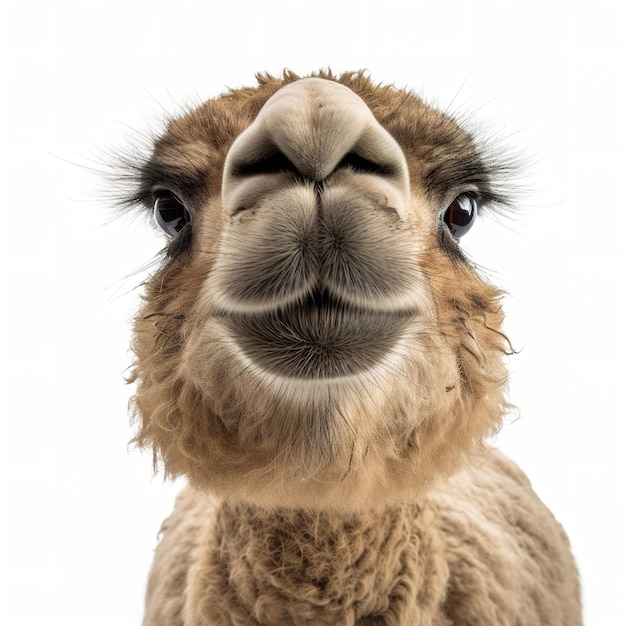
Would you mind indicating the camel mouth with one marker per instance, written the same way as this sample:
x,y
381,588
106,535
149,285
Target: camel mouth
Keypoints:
x,y
317,337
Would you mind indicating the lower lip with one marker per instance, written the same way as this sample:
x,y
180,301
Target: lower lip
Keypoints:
x,y
316,342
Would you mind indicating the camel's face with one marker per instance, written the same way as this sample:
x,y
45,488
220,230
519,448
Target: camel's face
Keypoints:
x,y
316,332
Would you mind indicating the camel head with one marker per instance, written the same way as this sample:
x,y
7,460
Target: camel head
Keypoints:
x,y
315,335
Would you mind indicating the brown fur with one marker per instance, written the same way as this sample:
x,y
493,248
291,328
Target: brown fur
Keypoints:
x,y
366,500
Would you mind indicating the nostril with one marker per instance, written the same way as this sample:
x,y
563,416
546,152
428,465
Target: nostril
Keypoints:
x,y
277,162
359,164
274,163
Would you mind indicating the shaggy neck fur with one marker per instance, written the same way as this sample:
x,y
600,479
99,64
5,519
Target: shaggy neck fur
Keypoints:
x,y
300,567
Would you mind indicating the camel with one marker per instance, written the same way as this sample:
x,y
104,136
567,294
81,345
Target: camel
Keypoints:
x,y
323,363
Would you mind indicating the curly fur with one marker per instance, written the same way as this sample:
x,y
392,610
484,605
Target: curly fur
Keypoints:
x,y
356,499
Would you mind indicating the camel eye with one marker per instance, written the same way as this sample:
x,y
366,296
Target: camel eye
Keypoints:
x,y
460,215
170,213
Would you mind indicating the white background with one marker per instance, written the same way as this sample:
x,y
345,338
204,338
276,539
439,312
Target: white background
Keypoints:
x,y
80,511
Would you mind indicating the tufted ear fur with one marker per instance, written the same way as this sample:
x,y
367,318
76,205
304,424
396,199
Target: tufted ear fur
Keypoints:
x,y
377,438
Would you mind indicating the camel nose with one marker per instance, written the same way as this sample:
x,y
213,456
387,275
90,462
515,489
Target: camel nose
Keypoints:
x,y
314,127
316,195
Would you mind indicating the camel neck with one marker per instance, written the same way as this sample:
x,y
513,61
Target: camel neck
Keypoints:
x,y
288,566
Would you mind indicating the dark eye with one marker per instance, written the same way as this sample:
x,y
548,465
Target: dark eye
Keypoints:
x,y
170,213
460,215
